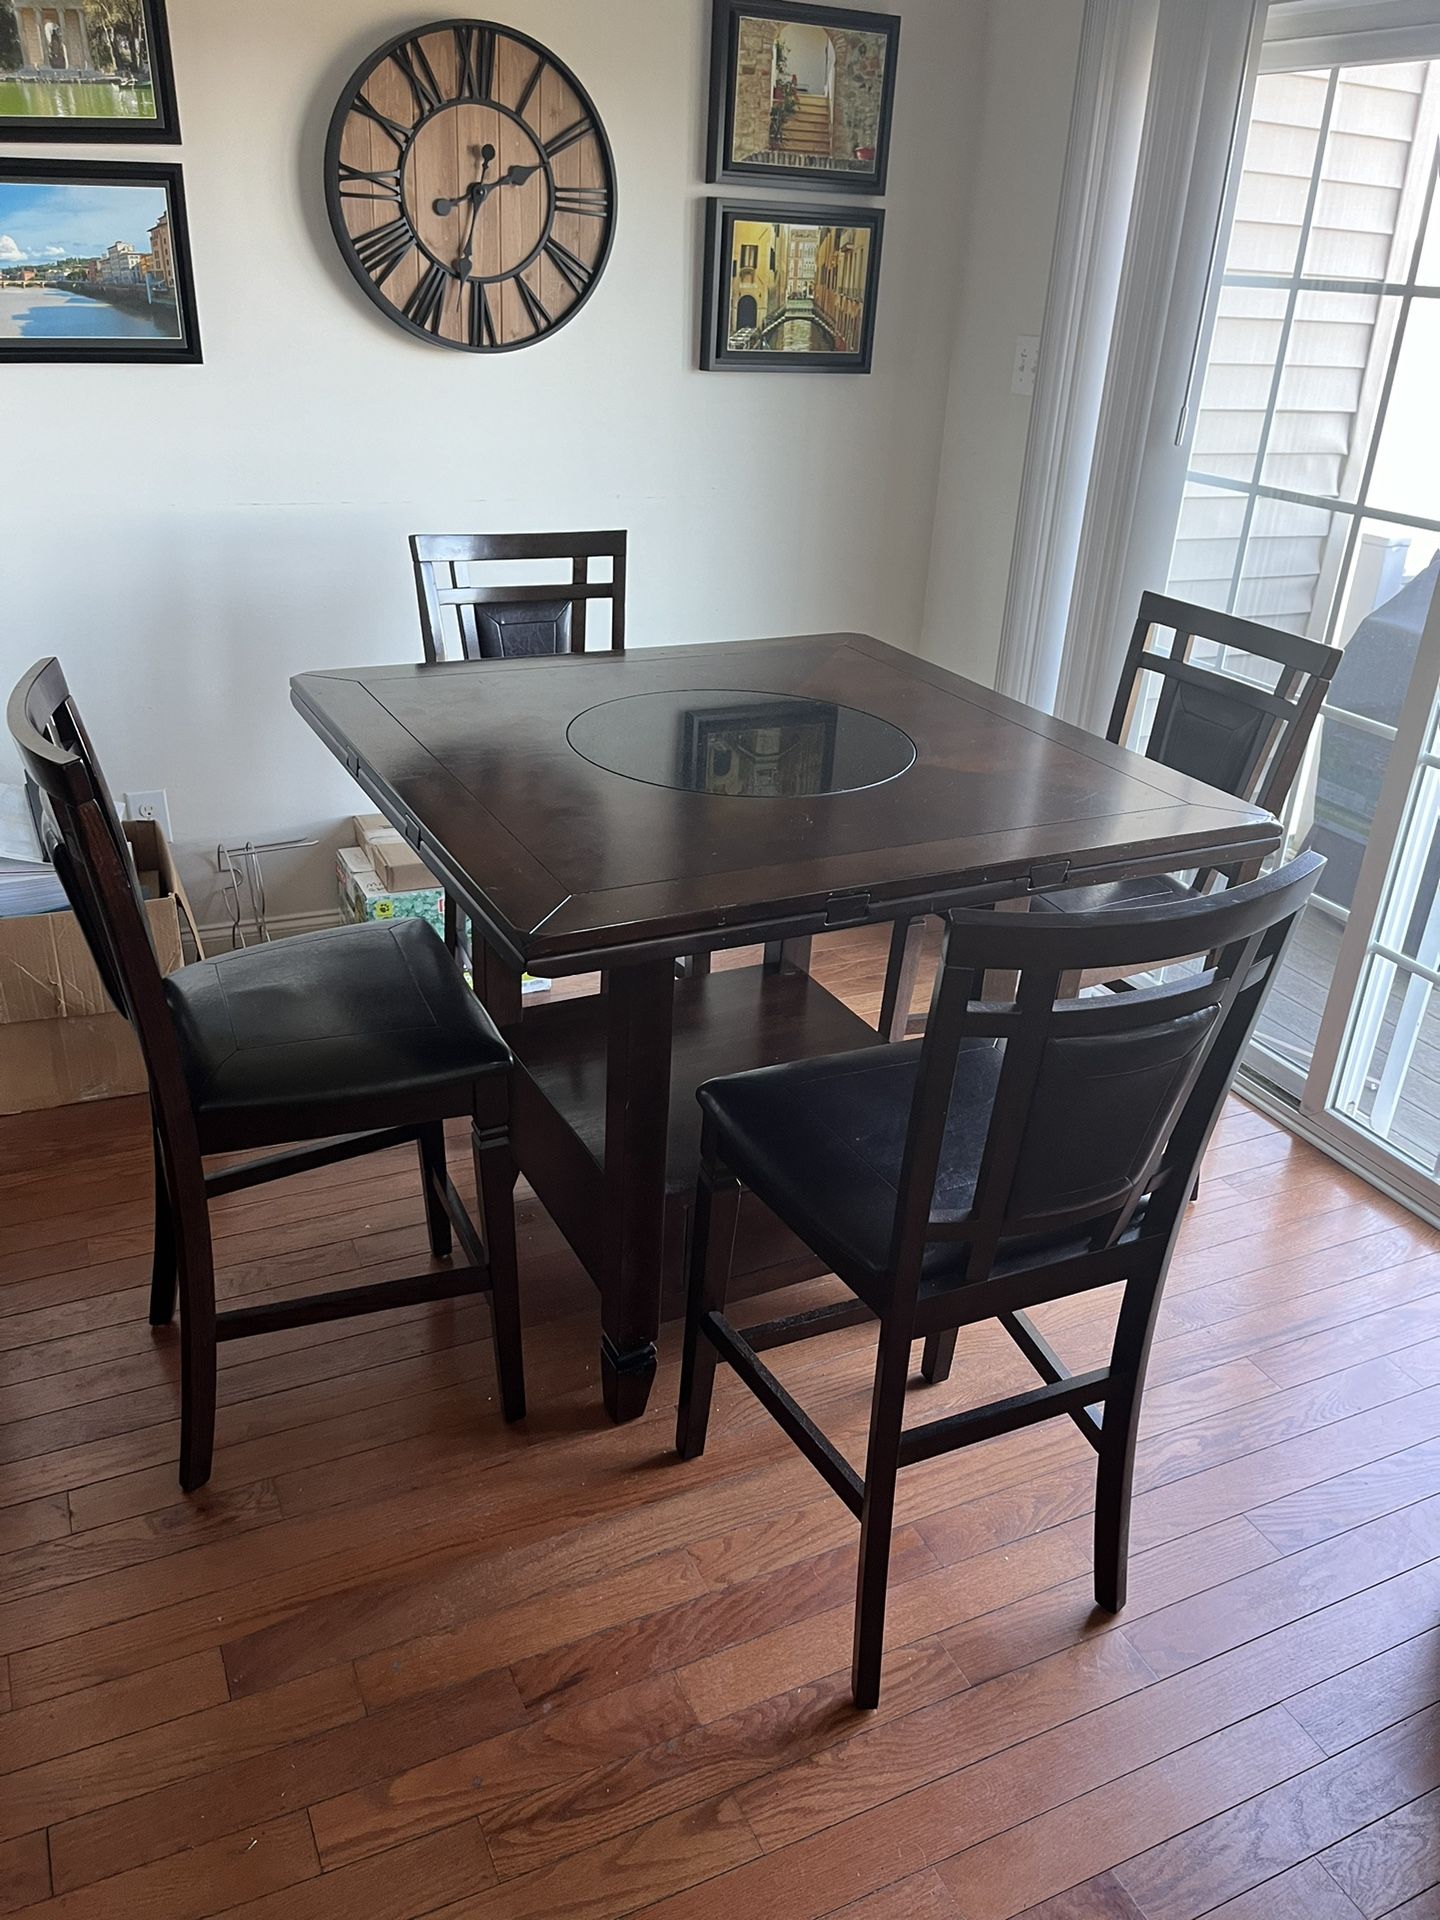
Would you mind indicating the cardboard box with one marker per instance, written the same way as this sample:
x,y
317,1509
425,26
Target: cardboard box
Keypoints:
x,y
364,896
61,1041
397,865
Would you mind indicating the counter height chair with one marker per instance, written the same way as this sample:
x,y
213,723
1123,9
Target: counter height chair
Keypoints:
x,y
460,620
1027,1150
355,1039
1240,719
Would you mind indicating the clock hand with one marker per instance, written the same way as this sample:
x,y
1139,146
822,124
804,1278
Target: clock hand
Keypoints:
x,y
485,155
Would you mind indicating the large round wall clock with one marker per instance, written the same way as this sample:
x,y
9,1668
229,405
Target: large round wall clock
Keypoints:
x,y
471,186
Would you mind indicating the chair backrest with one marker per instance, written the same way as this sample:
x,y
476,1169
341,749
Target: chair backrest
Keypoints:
x,y
81,832
1243,730
462,621
1102,1106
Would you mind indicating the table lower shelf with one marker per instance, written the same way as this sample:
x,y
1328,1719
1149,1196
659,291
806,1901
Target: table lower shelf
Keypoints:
x,y
725,1022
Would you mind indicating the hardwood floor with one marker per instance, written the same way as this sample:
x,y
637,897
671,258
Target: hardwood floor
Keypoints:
x,y
398,1660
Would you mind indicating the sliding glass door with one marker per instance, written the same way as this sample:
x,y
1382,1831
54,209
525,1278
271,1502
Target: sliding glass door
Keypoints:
x,y
1313,504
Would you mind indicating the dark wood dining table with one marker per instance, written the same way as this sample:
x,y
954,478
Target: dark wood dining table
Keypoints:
x,y
588,814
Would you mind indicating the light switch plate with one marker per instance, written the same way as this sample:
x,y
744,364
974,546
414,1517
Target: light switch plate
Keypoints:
x,y
150,806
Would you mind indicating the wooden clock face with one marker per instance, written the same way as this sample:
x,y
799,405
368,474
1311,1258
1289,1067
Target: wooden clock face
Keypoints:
x,y
471,186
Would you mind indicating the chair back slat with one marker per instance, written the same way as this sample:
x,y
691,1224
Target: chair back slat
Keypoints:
x,y
1101,1106
82,833
462,620
1230,732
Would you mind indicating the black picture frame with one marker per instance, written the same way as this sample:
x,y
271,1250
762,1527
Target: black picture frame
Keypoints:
x,y
722,164
809,727
716,350
184,351
163,130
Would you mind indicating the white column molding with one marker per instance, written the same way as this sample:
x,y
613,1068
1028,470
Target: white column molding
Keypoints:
x,y
1115,50
1206,54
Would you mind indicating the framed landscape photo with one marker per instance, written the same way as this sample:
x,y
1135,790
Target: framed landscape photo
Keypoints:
x,y
790,287
95,263
86,70
801,95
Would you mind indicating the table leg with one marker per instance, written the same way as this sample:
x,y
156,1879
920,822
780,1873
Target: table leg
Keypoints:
x,y
641,1013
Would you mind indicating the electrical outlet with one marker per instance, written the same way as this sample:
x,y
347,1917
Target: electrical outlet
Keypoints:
x,y
1027,359
150,806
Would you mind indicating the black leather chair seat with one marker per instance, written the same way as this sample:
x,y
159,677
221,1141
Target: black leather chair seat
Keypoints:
x,y
375,1020
821,1141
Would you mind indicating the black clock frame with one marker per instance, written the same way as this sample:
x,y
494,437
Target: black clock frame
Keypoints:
x,y
334,199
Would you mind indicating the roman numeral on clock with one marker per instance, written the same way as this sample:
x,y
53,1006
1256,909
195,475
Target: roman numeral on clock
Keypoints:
x,y
570,267
426,305
528,93
476,49
357,184
539,314
571,136
482,320
392,129
590,203
413,64
381,250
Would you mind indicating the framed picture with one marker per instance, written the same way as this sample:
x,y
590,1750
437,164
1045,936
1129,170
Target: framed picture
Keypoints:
x,y
95,263
763,751
802,94
86,70
790,287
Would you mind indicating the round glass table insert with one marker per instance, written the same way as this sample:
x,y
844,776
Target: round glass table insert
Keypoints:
x,y
742,745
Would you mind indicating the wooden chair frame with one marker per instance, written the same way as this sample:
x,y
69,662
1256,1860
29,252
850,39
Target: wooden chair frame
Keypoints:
x,y
84,837
1306,670
437,558
1130,1241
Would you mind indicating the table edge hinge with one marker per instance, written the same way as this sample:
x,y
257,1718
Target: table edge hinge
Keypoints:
x,y
1047,875
847,909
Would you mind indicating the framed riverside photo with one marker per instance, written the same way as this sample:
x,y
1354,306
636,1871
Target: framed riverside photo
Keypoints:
x,y
95,263
801,96
86,70
790,287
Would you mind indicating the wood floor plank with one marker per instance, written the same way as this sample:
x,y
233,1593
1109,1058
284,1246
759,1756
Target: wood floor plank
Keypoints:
x,y
1003,1875
24,1872
921,1896
33,1735
264,1861
246,1788
1100,1899
403,1884
1350,1706
1278,1828
571,1743
1302,1893
1392,1861
156,1759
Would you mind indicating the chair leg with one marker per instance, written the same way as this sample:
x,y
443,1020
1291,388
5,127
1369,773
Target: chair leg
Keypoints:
x,y
938,1357
495,1180
1120,1430
432,1169
197,1344
712,1247
902,970
877,1515
163,1269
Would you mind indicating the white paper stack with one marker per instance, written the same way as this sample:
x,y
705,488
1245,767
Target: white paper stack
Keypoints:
x,y
28,882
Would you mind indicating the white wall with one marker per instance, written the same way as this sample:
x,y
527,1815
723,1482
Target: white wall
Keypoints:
x,y
1031,54
188,538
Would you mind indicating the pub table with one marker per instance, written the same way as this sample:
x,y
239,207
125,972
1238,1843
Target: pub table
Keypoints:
x,y
615,812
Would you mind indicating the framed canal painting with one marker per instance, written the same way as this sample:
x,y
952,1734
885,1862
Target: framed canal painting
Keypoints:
x,y
86,70
790,287
801,96
95,263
